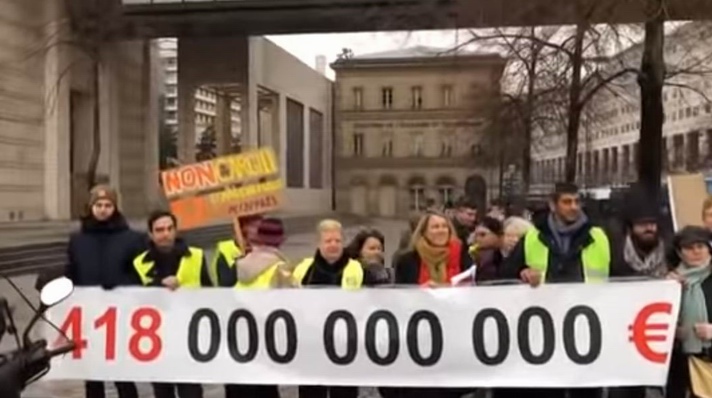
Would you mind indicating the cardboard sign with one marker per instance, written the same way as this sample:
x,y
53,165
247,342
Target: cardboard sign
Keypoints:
x,y
686,193
224,188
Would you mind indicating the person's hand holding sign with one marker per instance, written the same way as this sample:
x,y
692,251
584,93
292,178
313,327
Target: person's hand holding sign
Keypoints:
x,y
531,277
171,283
703,331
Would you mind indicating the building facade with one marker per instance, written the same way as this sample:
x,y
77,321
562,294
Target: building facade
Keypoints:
x,y
608,138
410,126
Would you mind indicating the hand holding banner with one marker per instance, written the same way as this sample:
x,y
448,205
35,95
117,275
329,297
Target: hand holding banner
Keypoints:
x,y
513,336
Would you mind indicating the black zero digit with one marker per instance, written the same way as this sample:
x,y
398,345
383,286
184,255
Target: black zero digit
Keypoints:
x,y
548,335
478,336
252,337
393,337
594,332
193,332
291,330
436,335
351,337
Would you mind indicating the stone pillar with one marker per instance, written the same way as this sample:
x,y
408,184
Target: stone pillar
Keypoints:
x,y
307,148
223,124
152,74
282,151
57,181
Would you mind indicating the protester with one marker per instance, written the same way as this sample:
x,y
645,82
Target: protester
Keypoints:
x,y
222,268
330,266
563,247
367,247
694,331
465,219
100,254
485,251
514,230
435,256
169,262
264,267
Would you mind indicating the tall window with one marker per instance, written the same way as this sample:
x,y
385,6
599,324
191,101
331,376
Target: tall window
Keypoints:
x,y
417,97
387,97
358,98
417,198
692,159
678,144
446,147
418,145
358,144
387,150
446,194
447,96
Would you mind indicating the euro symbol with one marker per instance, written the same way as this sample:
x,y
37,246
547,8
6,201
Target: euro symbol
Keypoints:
x,y
640,328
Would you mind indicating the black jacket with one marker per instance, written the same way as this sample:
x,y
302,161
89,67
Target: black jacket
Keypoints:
x,y
102,253
322,273
561,267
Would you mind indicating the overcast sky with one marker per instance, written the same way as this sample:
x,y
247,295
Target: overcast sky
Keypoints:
x,y
308,47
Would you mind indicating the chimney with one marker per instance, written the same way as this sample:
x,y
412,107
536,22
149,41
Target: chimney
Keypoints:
x,y
320,64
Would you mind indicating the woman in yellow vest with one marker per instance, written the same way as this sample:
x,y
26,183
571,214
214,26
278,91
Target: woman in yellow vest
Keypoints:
x,y
264,267
330,266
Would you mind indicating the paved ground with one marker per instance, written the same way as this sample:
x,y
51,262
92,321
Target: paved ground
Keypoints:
x,y
297,246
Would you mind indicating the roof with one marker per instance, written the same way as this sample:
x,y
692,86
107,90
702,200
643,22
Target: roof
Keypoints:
x,y
416,54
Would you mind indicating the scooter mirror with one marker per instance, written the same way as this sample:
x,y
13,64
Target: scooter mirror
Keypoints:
x,y
55,291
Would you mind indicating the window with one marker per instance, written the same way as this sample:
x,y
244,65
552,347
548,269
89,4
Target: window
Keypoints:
x,y
446,147
417,198
447,96
446,194
418,145
693,151
678,147
417,97
387,97
614,161
171,102
358,98
387,150
358,144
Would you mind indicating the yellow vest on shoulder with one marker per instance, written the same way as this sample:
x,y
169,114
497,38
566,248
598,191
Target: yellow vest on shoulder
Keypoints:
x,y
351,279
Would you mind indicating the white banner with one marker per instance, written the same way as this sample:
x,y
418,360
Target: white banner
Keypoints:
x,y
612,334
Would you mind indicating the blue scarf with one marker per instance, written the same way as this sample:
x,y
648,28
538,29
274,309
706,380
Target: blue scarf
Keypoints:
x,y
694,306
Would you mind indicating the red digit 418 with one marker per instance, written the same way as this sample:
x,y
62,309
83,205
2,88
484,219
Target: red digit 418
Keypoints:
x,y
145,324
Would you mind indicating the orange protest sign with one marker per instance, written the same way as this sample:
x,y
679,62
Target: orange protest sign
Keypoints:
x,y
219,172
197,200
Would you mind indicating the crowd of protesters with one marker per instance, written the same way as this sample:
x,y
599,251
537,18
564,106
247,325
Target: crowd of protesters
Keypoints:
x,y
495,244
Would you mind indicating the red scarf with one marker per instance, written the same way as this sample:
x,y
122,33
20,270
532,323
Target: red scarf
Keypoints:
x,y
453,264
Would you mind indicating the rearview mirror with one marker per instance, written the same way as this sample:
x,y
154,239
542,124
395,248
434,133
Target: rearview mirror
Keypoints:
x,y
55,291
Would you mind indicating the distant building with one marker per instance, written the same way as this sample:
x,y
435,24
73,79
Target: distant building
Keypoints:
x,y
608,138
410,126
205,98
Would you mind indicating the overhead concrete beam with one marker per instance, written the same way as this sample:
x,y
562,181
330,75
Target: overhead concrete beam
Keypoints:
x,y
259,17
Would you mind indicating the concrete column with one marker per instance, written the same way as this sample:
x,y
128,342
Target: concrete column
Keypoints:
x,y
109,123
282,152
57,181
152,74
186,121
223,124
307,147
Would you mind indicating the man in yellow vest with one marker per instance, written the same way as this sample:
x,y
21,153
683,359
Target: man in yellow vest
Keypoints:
x,y
171,263
330,266
264,267
222,268
563,247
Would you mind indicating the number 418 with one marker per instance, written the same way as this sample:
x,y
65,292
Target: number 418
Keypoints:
x,y
141,330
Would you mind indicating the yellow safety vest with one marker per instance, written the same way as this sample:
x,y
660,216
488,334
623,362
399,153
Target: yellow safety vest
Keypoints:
x,y
264,281
351,279
595,258
229,250
188,270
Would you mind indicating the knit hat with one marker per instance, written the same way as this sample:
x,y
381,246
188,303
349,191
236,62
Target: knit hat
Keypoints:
x,y
103,192
639,206
270,232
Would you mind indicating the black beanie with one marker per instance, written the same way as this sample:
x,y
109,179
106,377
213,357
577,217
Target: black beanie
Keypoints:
x,y
639,207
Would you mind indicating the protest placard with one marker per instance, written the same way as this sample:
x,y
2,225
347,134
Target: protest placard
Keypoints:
x,y
569,335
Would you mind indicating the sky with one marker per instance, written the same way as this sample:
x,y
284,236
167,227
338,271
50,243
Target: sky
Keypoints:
x,y
307,47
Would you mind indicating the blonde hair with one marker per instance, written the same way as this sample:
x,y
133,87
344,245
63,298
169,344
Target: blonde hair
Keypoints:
x,y
518,225
328,224
707,204
419,230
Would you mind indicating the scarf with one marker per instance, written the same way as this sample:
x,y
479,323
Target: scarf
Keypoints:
x,y
562,233
694,306
435,259
653,264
